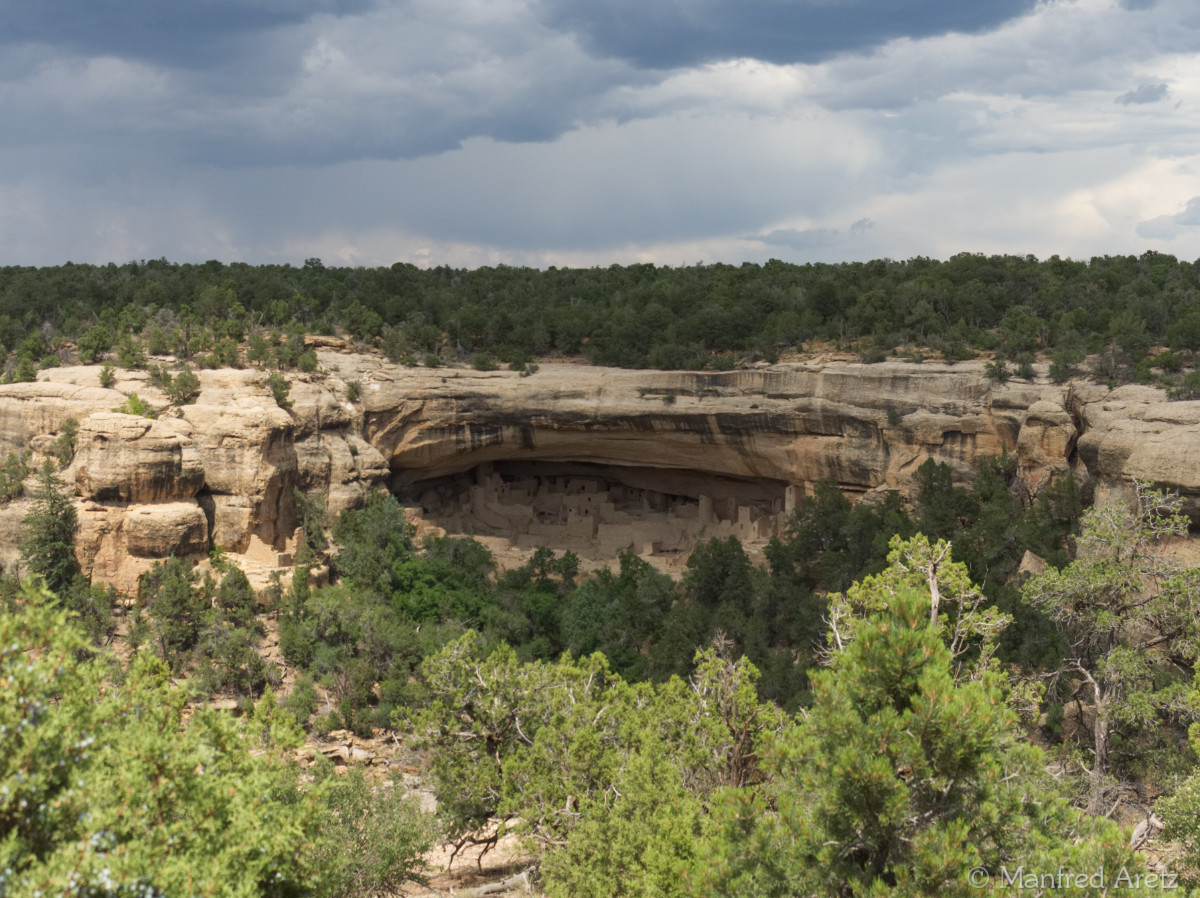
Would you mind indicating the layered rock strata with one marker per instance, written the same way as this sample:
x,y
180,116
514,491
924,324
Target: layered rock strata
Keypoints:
x,y
717,451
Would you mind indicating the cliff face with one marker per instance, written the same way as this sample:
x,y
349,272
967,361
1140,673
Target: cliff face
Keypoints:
x,y
219,473
866,426
222,472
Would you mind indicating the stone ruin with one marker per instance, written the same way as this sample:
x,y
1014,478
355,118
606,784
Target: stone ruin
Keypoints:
x,y
598,510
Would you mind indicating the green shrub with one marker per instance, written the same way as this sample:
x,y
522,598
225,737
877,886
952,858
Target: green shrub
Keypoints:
x,y
301,702
382,837
63,448
280,388
1025,369
1064,364
1168,361
25,372
12,476
108,376
957,351
183,388
130,354
108,791
225,354
1187,388
135,406
997,370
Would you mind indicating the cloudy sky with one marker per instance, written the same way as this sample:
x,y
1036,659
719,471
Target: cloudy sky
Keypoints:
x,y
587,132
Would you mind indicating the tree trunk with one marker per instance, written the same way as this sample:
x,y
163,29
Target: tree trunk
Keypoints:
x,y
1100,764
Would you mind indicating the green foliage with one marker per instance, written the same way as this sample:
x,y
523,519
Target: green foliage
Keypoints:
x,y
24,372
12,476
177,610
997,370
183,388
969,629
376,834
93,343
633,316
899,781
130,354
63,447
109,791
1129,614
373,538
484,361
93,606
829,543
1168,361
48,542
1064,364
108,376
258,350
649,832
280,388
301,702
1186,387
235,597
313,519
226,355
307,361
134,405
605,778
1180,812
618,614
227,660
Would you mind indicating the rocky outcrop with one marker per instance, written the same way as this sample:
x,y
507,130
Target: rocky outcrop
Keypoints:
x,y
222,473
866,426
128,458
1132,433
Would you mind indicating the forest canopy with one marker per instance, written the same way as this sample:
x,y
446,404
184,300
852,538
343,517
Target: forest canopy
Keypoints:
x,y
629,316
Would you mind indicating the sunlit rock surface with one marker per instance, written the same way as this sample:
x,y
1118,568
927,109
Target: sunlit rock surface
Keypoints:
x,y
667,458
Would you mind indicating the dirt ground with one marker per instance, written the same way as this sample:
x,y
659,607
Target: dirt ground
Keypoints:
x,y
497,872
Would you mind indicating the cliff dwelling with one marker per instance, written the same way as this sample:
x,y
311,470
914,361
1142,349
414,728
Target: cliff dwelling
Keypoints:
x,y
597,510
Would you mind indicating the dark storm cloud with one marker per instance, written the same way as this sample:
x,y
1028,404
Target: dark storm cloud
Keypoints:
x,y
665,34
195,33
1146,93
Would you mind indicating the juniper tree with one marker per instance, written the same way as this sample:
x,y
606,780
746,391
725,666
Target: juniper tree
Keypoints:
x,y
1131,617
899,781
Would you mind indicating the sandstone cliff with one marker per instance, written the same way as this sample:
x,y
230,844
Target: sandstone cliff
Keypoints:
x,y
221,472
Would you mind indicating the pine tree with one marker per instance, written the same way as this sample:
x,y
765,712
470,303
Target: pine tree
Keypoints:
x,y
48,548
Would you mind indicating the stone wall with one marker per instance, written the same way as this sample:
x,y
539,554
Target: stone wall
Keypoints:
x,y
595,515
